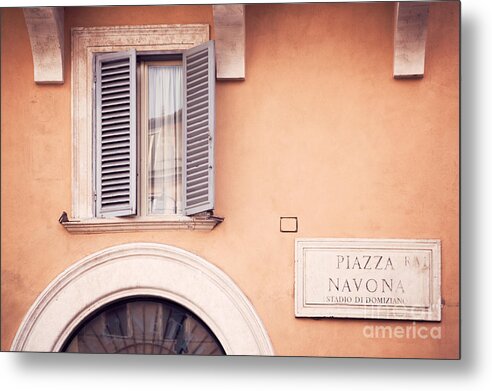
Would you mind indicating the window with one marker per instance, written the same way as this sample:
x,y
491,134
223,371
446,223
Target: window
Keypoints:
x,y
87,44
161,92
144,325
154,129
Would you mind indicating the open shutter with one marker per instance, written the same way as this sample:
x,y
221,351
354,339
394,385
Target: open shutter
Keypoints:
x,y
199,126
115,136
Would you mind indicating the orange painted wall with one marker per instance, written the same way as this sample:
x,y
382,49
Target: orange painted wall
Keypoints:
x,y
319,130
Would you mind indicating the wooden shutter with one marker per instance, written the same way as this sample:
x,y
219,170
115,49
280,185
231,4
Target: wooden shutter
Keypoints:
x,y
199,126
115,136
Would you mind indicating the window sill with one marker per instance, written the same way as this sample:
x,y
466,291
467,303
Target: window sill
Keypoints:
x,y
94,226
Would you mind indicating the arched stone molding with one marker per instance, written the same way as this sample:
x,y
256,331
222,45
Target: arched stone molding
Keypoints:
x,y
137,269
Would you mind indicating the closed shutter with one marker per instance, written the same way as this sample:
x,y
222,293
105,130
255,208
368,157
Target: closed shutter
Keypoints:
x,y
199,125
115,136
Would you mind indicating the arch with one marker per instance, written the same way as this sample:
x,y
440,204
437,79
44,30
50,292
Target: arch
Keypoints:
x,y
138,269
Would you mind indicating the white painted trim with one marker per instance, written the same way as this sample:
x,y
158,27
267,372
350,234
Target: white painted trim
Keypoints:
x,y
86,41
143,269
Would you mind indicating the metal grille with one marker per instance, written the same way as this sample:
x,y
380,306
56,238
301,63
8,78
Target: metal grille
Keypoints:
x,y
116,132
199,127
144,326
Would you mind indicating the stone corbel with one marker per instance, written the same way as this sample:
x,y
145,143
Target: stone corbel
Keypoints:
x,y
230,32
45,27
410,38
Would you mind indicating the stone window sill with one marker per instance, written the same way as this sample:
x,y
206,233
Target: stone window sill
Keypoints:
x,y
133,224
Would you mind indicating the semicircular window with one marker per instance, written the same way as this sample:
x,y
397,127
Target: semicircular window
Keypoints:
x,y
144,326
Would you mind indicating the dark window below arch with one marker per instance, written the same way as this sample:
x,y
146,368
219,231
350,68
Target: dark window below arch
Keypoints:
x,y
144,325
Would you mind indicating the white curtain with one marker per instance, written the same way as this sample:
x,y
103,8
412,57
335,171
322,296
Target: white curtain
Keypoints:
x,y
164,165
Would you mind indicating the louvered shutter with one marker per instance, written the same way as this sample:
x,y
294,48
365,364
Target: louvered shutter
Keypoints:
x,y
199,126
116,126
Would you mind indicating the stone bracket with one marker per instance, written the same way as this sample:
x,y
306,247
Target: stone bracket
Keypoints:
x,y
46,33
410,37
230,32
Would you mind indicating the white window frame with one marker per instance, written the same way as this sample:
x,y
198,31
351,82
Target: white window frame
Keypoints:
x,y
86,42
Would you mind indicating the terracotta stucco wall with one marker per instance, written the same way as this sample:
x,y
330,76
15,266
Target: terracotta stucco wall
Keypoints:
x,y
319,130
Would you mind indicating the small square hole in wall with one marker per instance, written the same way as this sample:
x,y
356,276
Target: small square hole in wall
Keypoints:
x,y
288,224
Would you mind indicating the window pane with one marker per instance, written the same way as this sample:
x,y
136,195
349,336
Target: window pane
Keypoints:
x,y
144,326
164,140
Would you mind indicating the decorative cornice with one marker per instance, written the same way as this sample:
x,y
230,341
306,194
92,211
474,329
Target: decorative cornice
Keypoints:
x,y
94,226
